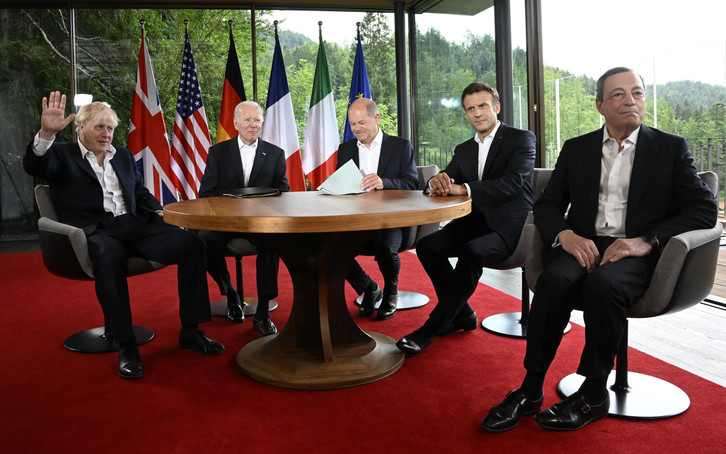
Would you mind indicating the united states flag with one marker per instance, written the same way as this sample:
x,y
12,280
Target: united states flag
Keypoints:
x,y
191,132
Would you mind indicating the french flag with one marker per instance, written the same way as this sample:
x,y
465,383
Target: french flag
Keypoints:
x,y
279,127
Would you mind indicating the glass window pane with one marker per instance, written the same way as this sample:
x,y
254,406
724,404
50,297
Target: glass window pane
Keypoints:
x,y
35,60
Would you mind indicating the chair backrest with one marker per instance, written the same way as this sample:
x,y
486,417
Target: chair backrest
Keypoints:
x,y
45,202
518,257
541,178
64,247
425,173
683,276
686,268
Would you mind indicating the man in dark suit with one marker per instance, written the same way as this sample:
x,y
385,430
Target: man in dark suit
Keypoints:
x,y
387,163
495,168
95,186
616,196
245,161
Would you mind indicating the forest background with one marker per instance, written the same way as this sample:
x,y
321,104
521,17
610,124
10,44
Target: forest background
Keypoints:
x,y
34,59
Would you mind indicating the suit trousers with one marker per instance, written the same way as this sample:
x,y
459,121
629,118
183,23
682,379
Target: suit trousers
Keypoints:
x,y
604,295
116,239
267,264
475,246
384,246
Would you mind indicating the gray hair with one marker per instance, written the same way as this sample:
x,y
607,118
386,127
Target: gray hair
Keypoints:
x,y
239,106
611,72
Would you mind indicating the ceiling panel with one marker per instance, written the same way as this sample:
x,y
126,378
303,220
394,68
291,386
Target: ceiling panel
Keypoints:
x,y
467,7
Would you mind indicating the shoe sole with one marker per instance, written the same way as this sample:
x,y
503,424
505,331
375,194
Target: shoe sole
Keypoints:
x,y
568,429
386,317
506,429
130,377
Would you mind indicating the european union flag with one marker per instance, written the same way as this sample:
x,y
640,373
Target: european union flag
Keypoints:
x,y
359,86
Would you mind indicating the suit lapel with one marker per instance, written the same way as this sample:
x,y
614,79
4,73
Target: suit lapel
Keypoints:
x,y
260,156
494,149
235,160
126,180
384,157
82,162
645,153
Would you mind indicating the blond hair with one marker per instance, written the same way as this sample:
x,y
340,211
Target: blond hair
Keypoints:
x,y
94,109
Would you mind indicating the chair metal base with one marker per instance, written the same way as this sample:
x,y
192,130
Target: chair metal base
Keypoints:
x,y
509,324
219,307
95,340
406,300
646,397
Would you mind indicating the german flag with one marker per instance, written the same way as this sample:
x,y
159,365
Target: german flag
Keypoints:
x,y
233,93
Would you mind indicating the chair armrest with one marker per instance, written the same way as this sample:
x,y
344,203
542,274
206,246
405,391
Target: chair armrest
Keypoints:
x,y
57,241
532,254
684,274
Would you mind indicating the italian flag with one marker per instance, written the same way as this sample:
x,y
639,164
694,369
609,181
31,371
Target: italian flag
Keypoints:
x,y
321,132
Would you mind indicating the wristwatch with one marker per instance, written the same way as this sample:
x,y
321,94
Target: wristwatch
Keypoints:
x,y
652,239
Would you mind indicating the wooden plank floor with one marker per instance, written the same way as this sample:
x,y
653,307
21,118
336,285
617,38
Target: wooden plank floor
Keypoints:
x,y
719,284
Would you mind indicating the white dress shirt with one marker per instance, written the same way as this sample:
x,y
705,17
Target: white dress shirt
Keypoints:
x,y
247,153
113,198
484,146
616,165
368,157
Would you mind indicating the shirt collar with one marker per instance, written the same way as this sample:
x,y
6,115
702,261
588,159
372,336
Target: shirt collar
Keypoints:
x,y
633,137
241,145
491,134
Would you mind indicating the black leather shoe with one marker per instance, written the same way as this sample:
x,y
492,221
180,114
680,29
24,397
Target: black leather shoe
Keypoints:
x,y
195,339
129,363
265,327
506,414
235,310
467,323
573,413
388,306
368,305
416,342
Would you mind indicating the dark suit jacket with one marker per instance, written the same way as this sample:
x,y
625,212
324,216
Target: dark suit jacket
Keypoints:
x,y
666,196
74,187
396,166
503,197
224,168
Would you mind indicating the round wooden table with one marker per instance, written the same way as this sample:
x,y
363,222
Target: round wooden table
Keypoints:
x,y
317,235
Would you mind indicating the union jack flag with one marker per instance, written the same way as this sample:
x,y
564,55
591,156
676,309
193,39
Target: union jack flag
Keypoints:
x,y
147,139
191,139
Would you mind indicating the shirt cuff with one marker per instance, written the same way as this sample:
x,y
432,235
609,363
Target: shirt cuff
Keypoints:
x,y
468,189
41,146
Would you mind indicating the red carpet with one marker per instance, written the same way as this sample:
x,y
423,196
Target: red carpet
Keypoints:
x,y
57,401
